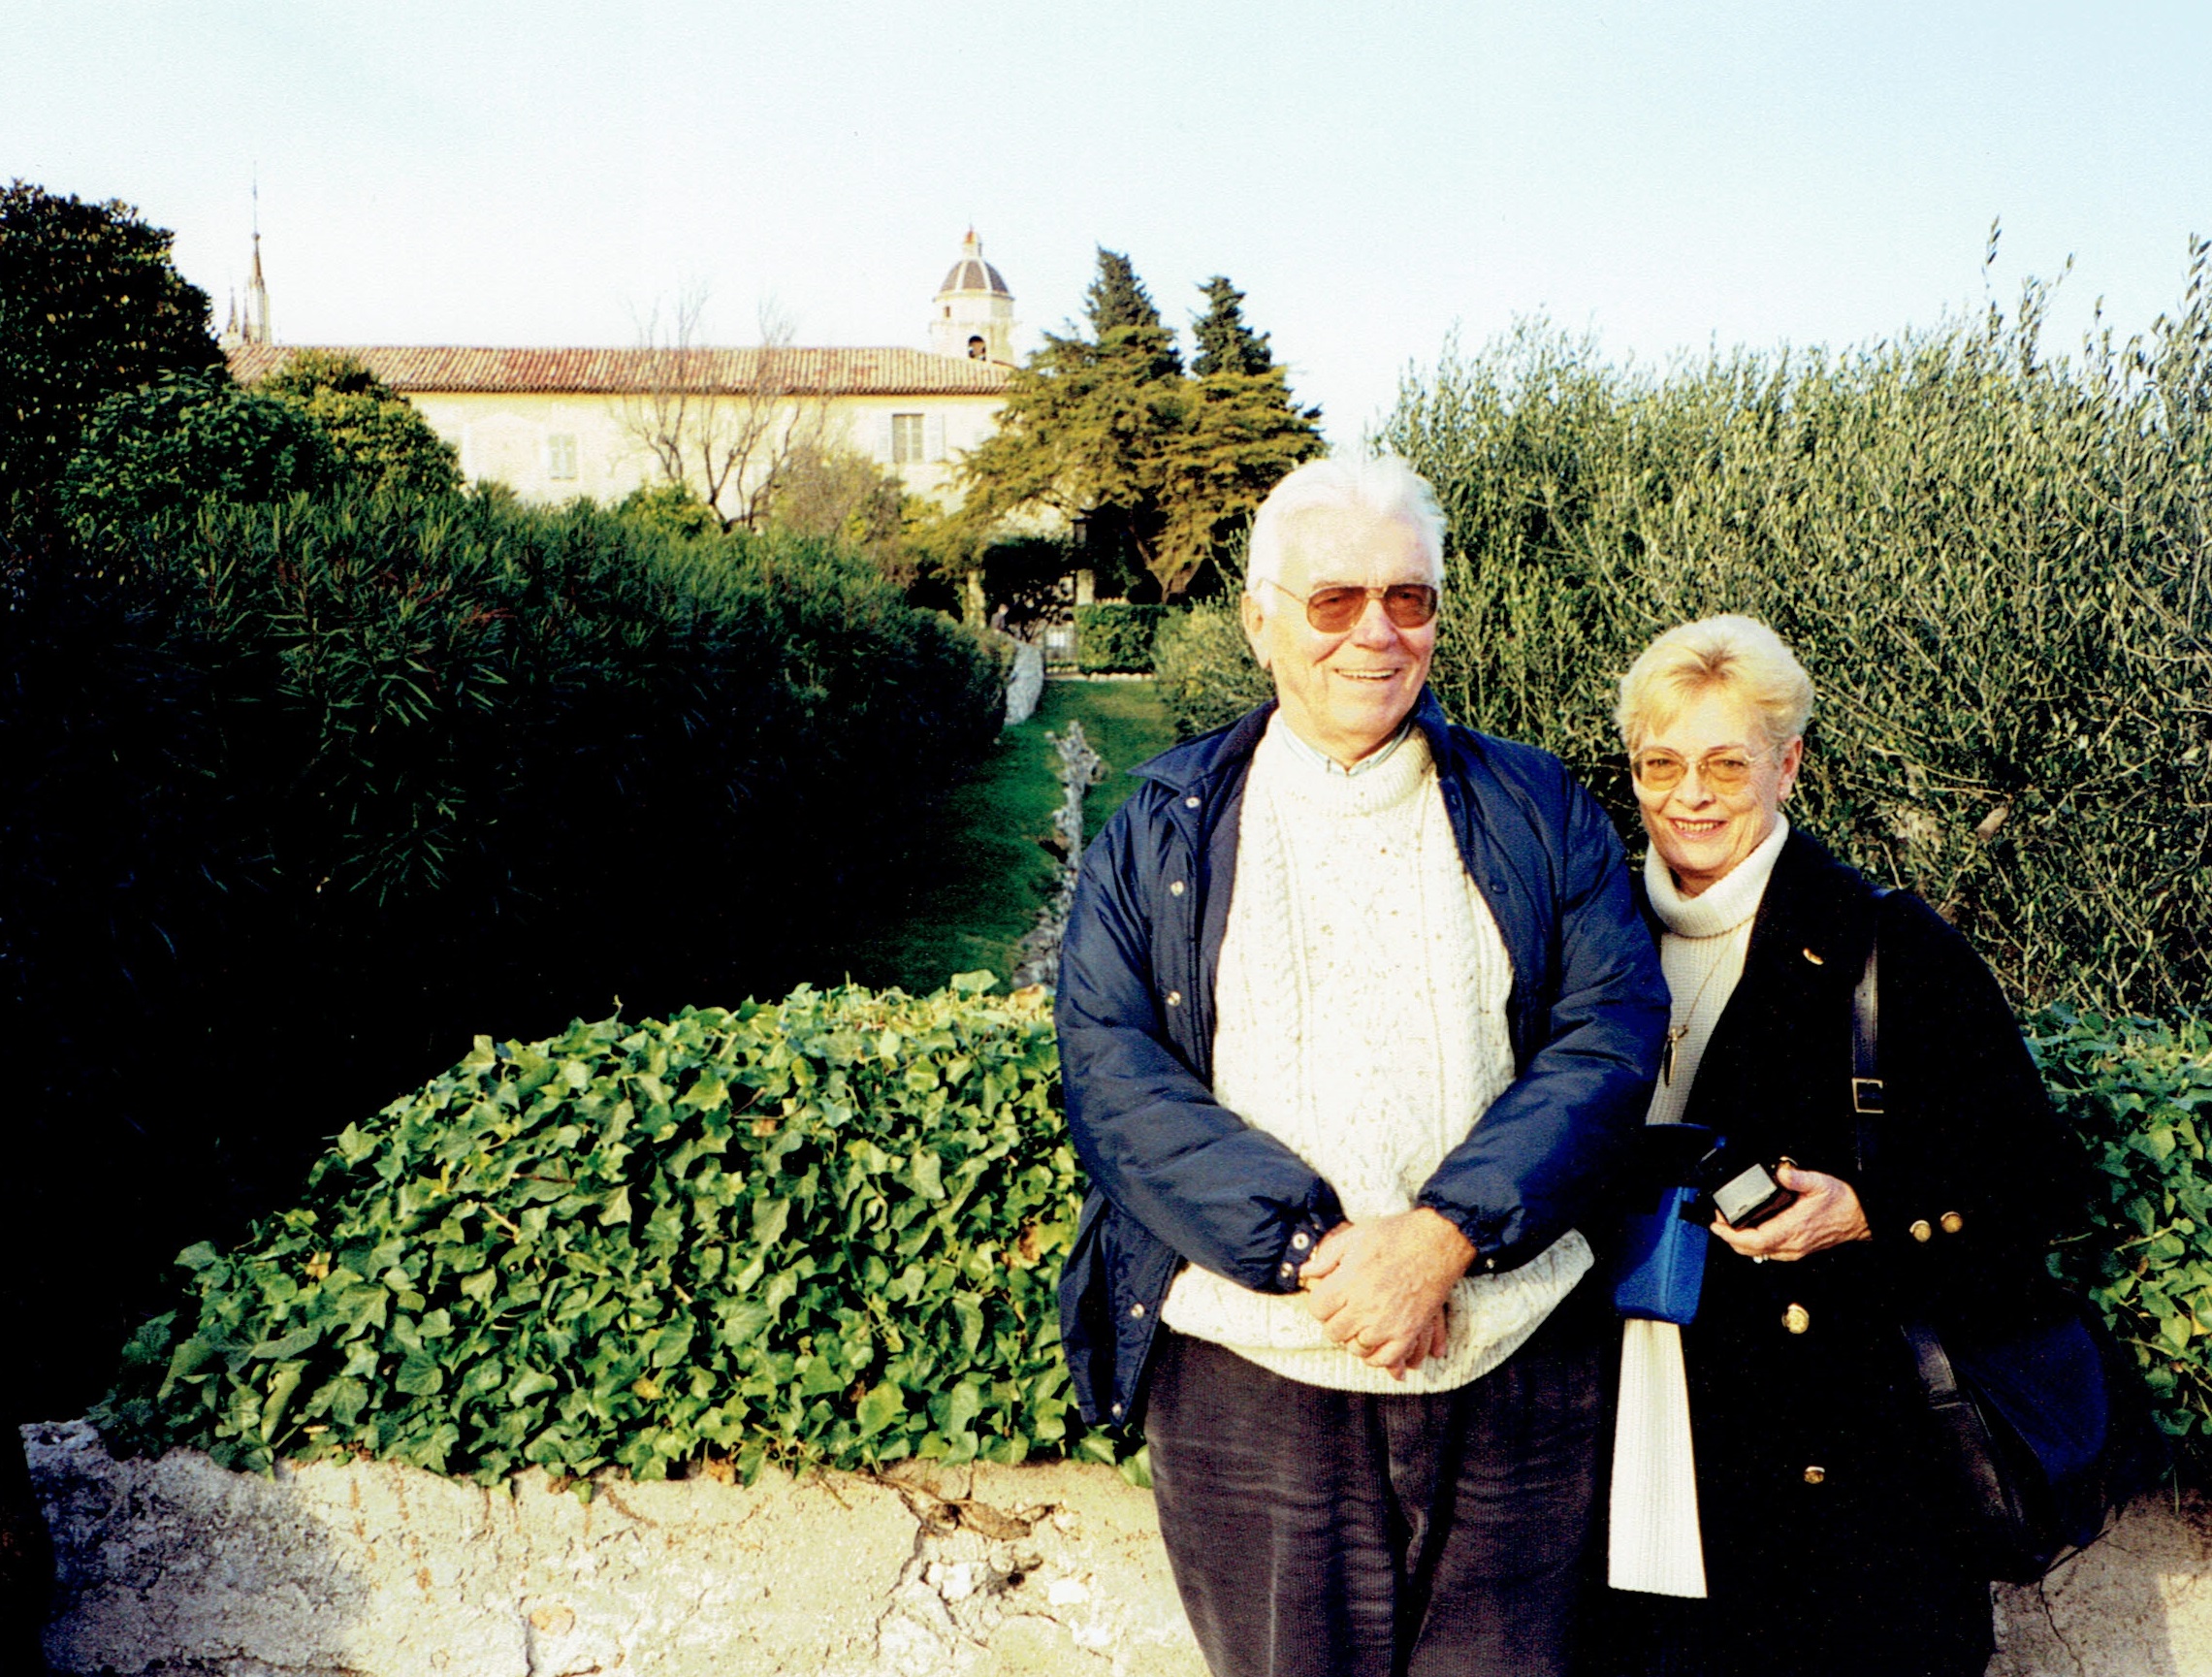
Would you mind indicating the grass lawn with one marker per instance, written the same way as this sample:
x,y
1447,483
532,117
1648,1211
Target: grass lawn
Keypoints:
x,y
974,880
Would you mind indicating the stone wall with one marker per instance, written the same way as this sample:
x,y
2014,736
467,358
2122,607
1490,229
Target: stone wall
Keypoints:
x,y
369,1569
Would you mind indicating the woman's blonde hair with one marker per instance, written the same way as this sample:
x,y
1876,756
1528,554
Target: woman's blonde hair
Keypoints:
x,y
1733,654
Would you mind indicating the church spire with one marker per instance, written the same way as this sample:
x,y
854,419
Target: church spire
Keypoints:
x,y
255,328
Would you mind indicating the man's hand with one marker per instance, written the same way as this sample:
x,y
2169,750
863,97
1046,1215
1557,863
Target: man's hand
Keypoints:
x,y
1379,1287
1826,1213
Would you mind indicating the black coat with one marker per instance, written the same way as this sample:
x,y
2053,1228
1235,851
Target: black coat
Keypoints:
x,y
1818,1477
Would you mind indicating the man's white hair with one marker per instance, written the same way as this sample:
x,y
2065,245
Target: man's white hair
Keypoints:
x,y
1381,484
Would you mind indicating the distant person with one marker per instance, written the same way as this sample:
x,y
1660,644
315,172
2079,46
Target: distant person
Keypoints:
x,y
1815,1538
1354,1011
999,619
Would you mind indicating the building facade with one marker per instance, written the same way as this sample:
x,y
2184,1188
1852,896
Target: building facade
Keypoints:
x,y
553,424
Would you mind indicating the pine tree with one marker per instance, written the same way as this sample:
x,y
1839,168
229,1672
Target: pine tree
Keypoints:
x,y
1108,429
1124,323
1226,344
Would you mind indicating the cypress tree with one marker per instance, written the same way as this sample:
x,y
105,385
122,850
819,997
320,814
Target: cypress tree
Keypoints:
x,y
1226,344
1160,467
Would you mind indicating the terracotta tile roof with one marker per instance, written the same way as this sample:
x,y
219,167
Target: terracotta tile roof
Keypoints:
x,y
889,371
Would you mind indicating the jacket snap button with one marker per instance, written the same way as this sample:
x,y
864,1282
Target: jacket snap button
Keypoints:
x,y
1190,803
1301,1241
1175,888
1287,1271
1174,998
1136,1310
1920,1230
1815,1475
1797,1318
1952,1222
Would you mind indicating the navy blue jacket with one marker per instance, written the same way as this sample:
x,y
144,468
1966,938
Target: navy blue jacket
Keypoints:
x,y
1176,1177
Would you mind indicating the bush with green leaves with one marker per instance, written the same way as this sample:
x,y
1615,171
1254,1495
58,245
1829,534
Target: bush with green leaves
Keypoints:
x,y
90,307
2138,1093
188,438
824,1231
1995,564
1114,637
321,786
380,439
1204,668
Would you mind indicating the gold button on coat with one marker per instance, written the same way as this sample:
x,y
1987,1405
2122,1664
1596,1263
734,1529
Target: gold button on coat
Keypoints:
x,y
1952,1222
1814,1475
1921,1230
1797,1318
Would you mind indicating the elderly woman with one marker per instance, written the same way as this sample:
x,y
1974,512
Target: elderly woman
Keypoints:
x,y
1816,1533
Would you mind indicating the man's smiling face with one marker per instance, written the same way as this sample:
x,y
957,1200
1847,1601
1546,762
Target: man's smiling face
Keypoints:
x,y
1343,693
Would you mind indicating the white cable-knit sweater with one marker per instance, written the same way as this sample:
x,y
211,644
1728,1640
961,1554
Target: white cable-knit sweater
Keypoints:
x,y
1361,1018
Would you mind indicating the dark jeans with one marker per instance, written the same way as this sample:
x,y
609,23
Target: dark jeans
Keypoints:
x,y
1324,1534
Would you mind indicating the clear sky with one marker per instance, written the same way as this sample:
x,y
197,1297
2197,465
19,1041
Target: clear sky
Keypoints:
x,y
1667,174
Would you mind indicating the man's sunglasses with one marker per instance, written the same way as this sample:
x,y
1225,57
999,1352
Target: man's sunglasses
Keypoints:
x,y
1722,772
1335,609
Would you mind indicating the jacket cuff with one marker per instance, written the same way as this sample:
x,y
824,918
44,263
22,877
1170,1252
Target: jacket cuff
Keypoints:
x,y
1302,1233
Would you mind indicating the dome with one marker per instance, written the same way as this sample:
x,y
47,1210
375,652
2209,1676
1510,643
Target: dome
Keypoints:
x,y
972,273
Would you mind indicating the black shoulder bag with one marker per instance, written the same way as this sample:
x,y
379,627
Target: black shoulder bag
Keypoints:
x,y
2047,1430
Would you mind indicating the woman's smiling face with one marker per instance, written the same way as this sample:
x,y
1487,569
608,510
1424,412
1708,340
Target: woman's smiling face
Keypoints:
x,y
1701,832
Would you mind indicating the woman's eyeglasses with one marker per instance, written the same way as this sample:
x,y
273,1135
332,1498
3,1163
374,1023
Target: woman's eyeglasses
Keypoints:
x,y
1335,609
1723,771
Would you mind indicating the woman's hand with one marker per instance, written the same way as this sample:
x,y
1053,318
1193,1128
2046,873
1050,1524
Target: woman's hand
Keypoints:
x,y
1826,1213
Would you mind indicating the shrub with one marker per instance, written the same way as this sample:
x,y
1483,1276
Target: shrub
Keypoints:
x,y
90,307
1203,667
188,438
672,507
1117,638
824,1231
1995,566
316,787
380,439
2140,1093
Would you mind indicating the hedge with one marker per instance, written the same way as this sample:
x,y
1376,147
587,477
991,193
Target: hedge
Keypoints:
x,y
1116,637
2139,1094
1997,565
825,1231
319,788
829,1231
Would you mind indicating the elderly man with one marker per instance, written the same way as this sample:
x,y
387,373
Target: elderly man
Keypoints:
x,y
1356,1012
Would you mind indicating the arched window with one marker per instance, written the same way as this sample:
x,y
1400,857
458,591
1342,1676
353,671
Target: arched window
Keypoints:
x,y
978,350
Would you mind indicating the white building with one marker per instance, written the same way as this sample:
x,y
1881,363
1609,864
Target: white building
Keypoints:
x,y
556,423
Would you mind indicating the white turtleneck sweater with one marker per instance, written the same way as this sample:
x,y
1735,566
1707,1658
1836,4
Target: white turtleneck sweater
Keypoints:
x,y
1655,1545
1361,1019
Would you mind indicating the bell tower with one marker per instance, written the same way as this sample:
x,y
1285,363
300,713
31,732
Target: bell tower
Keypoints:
x,y
974,311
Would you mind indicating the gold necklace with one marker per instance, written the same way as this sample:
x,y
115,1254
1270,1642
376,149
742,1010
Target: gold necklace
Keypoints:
x,y
1675,1033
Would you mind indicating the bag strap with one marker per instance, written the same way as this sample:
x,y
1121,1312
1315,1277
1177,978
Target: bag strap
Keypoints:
x,y
1869,1099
